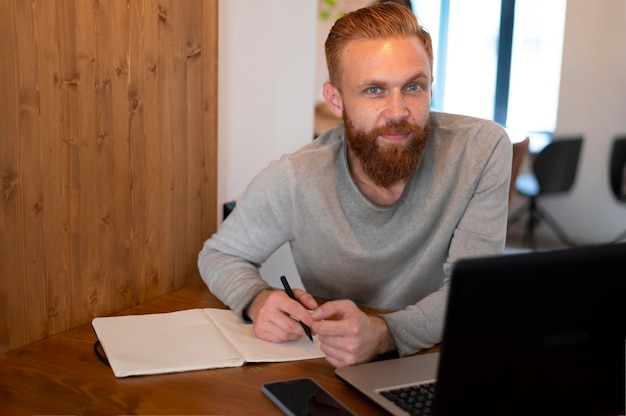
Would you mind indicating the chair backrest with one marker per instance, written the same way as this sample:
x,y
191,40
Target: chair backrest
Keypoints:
x,y
617,168
556,165
520,151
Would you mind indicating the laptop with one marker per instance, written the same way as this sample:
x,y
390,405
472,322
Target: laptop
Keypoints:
x,y
529,334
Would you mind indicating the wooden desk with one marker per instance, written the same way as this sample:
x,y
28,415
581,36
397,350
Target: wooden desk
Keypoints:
x,y
61,375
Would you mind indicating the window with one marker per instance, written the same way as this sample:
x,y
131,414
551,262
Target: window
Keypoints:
x,y
497,59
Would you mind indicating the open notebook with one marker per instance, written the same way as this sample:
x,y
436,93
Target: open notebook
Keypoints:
x,y
525,334
192,339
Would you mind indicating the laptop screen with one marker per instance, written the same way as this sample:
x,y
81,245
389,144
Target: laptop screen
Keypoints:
x,y
543,328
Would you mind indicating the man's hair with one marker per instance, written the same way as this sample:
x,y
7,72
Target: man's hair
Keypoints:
x,y
380,21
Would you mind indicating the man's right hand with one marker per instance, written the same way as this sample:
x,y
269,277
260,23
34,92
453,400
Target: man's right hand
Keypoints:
x,y
275,315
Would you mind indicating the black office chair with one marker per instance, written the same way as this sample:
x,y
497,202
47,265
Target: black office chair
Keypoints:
x,y
617,169
553,171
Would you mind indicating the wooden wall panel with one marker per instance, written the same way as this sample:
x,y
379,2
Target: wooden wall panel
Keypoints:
x,y
108,153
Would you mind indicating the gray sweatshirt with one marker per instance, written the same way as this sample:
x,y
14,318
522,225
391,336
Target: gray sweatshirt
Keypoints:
x,y
397,258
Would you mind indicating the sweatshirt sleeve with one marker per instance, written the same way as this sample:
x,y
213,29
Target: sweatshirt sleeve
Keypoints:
x,y
229,261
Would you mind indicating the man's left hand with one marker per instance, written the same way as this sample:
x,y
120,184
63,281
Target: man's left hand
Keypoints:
x,y
351,337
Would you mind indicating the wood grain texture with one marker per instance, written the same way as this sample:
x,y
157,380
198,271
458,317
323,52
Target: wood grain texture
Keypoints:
x,y
108,153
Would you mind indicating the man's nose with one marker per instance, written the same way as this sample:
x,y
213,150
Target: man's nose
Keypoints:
x,y
396,107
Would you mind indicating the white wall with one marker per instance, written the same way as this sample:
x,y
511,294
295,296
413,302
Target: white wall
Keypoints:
x,y
266,93
592,101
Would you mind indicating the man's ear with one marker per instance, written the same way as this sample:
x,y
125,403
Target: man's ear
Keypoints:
x,y
333,99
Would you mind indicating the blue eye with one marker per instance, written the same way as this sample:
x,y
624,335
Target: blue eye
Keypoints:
x,y
413,87
373,90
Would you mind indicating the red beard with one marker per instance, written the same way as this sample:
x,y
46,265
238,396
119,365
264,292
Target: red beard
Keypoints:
x,y
388,163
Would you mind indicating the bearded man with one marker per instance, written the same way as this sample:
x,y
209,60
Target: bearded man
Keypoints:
x,y
376,211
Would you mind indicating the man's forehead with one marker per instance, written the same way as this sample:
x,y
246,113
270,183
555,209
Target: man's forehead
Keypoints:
x,y
368,57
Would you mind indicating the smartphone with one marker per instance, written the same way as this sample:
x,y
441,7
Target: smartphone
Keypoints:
x,y
304,396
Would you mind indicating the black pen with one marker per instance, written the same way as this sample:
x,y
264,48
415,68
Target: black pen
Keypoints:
x,y
285,283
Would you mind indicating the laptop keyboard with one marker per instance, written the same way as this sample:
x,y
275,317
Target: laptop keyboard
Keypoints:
x,y
416,399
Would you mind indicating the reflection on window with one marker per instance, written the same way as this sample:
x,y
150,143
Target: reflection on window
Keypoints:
x,y
472,57
536,64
